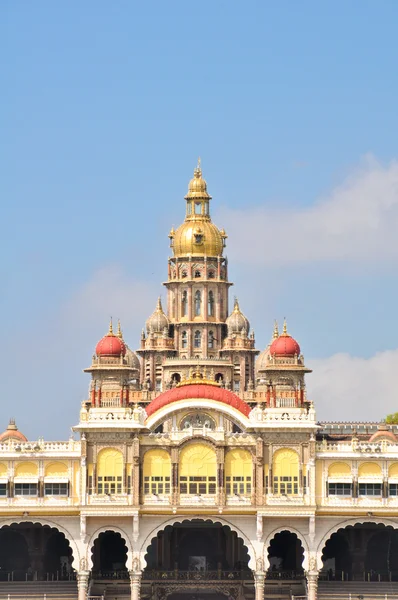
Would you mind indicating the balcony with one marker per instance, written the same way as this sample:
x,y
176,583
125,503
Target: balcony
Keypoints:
x,y
205,575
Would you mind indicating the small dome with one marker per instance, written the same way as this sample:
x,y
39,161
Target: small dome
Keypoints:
x,y
284,345
197,187
158,321
237,322
111,344
12,433
132,359
383,432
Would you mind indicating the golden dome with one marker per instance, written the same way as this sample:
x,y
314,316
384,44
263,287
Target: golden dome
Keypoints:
x,y
197,236
197,187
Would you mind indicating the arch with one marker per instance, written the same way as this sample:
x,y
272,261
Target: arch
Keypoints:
x,y
211,339
24,469
197,339
56,469
222,521
285,472
300,537
157,472
351,523
369,469
184,339
3,470
197,469
339,469
125,537
198,303
43,521
166,411
109,471
393,470
210,307
238,472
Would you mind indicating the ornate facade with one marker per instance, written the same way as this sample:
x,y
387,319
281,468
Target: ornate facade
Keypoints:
x,y
201,469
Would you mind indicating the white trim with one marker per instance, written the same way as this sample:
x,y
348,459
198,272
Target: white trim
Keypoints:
x,y
26,479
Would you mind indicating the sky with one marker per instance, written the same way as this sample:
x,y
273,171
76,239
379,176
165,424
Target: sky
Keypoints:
x,y
104,110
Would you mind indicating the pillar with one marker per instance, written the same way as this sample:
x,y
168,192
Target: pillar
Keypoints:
x,y
82,584
259,580
312,585
135,583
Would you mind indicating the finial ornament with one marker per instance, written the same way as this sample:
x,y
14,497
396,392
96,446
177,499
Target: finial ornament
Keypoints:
x,y
119,330
159,307
276,330
110,332
284,327
236,305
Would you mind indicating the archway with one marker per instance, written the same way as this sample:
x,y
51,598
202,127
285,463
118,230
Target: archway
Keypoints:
x,y
362,551
109,554
285,556
34,551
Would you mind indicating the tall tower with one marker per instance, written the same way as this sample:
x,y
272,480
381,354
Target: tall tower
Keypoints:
x,y
197,331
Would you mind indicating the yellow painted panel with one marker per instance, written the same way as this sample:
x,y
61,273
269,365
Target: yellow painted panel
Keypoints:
x,y
56,469
198,460
26,468
157,463
3,470
286,463
339,469
393,470
110,463
318,480
238,463
369,469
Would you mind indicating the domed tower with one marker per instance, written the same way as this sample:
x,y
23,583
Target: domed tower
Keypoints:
x,y
280,370
115,371
197,298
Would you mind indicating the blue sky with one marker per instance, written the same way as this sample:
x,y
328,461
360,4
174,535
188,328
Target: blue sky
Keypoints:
x,y
105,108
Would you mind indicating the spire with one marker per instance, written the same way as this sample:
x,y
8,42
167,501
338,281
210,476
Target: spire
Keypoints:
x,y
275,335
159,307
284,332
119,333
12,426
110,331
236,305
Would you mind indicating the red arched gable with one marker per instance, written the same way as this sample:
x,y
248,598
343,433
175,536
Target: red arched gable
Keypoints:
x,y
198,390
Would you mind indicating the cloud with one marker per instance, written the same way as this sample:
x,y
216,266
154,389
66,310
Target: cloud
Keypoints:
x,y
357,222
345,387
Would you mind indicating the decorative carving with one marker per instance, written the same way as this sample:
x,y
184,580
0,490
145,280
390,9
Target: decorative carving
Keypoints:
x,y
259,564
312,563
83,564
197,420
136,564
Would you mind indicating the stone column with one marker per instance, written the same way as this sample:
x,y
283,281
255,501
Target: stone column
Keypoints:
x,y
82,584
259,580
312,583
135,583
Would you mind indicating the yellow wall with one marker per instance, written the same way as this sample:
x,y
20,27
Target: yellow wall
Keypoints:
x,y
3,470
56,469
198,460
286,463
369,470
26,468
110,463
339,469
238,463
157,463
393,470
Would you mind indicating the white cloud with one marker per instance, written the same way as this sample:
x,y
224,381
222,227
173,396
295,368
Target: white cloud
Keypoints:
x,y
357,221
345,387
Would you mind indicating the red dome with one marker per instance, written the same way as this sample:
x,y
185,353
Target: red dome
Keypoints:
x,y
198,390
12,433
110,345
284,345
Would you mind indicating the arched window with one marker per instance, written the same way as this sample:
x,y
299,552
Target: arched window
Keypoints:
x,y
198,470
184,304
197,339
198,302
109,471
211,339
197,274
210,308
184,339
157,472
286,472
238,473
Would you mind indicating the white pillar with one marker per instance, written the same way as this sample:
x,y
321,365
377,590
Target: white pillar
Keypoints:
x,y
312,583
259,579
135,583
82,584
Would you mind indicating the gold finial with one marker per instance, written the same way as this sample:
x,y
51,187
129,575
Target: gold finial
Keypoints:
x,y
276,330
110,332
284,332
197,375
119,330
236,305
159,307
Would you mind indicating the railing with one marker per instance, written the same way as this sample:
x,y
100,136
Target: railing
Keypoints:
x,y
364,448
214,575
293,575
40,446
122,574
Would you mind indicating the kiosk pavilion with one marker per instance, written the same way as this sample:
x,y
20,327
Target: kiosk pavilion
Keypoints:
x,y
201,470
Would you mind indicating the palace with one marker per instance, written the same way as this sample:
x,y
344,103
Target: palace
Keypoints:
x,y
201,470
